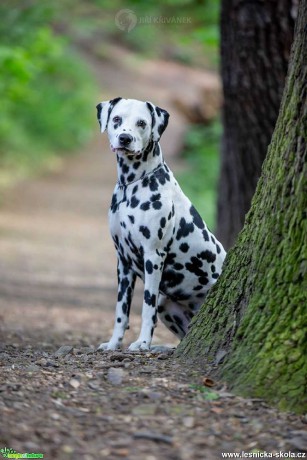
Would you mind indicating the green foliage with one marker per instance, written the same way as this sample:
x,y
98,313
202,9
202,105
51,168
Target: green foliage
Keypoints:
x,y
43,88
199,181
205,393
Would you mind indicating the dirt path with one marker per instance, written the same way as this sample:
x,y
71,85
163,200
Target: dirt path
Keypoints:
x,y
58,287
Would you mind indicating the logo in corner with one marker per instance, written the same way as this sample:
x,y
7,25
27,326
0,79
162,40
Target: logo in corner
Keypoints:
x,y
126,20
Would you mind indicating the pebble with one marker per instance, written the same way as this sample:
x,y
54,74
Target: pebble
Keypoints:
x,y
63,351
41,362
188,422
74,383
115,375
32,368
50,363
94,385
67,449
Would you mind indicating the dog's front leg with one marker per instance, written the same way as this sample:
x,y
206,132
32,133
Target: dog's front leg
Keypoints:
x,y
153,274
126,282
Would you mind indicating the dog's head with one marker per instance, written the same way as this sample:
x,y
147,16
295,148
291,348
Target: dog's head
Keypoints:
x,y
131,124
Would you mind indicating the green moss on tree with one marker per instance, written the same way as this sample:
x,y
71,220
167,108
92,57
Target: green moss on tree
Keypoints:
x,y
257,310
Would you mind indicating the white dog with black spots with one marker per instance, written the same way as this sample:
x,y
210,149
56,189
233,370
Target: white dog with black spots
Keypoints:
x,y
158,234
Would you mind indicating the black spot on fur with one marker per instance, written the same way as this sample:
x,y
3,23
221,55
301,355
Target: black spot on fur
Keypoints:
x,y
185,229
173,328
194,266
150,299
149,267
125,168
196,218
208,256
178,266
131,218
156,150
145,206
170,258
153,184
160,233
162,222
205,235
134,202
184,247
154,317
157,205
171,278
198,288
180,295
136,165
145,231
114,204
145,182
178,320
168,246
131,178
203,279
162,176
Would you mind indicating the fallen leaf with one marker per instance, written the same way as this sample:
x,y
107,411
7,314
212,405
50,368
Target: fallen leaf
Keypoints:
x,y
208,382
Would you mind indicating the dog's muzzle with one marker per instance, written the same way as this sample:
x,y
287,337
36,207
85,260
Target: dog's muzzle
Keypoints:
x,y
124,144
125,140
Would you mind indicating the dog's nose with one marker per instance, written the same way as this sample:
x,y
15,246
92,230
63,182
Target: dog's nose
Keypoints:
x,y
125,139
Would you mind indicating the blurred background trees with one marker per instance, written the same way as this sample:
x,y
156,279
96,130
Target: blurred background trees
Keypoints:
x,y
47,84
43,90
256,38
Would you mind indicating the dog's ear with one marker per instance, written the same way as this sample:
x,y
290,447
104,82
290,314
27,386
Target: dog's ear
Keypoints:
x,y
159,119
104,110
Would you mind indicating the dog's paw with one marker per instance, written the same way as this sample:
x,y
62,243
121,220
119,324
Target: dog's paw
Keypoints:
x,y
111,346
139,345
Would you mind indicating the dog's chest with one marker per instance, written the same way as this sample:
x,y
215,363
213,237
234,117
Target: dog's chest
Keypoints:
x,y
130,208
138,218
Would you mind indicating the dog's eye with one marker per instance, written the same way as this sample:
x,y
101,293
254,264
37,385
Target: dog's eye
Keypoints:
x,y
141,123
117,119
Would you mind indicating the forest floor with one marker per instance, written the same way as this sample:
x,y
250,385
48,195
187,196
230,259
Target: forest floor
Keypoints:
x,y
60,397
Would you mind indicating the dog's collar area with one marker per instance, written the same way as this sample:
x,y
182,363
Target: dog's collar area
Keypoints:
x,y
123,185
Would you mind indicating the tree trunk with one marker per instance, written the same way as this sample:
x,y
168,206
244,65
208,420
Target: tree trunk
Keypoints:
x,y
256,313
256,37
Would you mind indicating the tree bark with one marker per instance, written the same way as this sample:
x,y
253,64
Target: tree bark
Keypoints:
x,y
256,38
256,313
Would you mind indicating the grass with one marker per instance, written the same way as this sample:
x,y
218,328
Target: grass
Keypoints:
x,y
199,180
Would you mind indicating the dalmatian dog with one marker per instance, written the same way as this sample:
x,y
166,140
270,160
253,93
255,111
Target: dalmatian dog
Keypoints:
x,y
158,234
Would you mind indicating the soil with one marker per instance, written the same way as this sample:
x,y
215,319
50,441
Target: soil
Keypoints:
x,y
60,397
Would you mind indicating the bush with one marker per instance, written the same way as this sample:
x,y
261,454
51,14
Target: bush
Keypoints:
x,y
199,181
44,92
